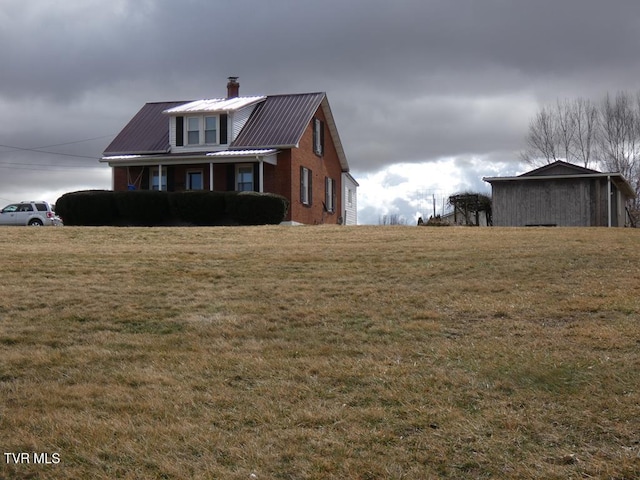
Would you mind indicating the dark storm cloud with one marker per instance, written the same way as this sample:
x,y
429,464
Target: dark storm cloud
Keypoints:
x,y
408,81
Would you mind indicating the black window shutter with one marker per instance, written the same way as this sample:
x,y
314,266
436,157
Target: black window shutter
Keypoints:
x,y
301,184
231,177
327,186
321,137
310,188
334,193
223,129
256,177
179,131
171,180
315,135
144,179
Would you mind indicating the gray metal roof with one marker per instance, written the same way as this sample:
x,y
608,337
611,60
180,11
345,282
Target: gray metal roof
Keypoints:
x,y
279,121
146,133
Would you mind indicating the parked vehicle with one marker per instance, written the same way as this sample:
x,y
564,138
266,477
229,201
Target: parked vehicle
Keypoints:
x,y
33,214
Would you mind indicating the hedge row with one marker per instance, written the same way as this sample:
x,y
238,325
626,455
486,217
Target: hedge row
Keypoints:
x,y
153,208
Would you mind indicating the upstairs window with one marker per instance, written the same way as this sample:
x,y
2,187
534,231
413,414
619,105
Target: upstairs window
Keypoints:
x,y
201,130
211,130
318,137
193,131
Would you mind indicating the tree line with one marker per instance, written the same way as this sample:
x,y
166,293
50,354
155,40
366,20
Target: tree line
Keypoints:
x,y
601,134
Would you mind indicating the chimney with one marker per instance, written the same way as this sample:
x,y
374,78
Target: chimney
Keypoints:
x,y
233,87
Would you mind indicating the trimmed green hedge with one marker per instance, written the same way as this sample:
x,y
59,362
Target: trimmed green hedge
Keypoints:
x,y
153,208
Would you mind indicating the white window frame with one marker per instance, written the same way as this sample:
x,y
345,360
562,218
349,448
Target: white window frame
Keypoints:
x,y
318,127
305,196
196,131
216,140
201,130
188,179
242,166
330,194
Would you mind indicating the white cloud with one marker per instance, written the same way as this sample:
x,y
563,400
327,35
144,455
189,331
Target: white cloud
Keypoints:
x,y
418,188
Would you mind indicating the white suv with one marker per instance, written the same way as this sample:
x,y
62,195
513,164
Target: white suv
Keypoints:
x,y
33,214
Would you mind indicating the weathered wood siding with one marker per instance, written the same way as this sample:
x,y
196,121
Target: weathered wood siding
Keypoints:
x,y
546,202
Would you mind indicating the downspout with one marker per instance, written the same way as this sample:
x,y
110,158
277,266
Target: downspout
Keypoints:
x,y
609,199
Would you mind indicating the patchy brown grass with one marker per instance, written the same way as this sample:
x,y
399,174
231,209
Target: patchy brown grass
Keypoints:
x,y
320,352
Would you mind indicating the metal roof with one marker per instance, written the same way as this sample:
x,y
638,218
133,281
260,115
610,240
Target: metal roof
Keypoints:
x,y
147,132
215,105
279,121
243,153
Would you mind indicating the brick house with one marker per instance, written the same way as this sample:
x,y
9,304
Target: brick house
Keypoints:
x,y
284,144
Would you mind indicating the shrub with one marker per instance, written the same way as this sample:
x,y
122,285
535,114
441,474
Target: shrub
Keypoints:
x,y
143,208
198,208
252,208
154,208
87,207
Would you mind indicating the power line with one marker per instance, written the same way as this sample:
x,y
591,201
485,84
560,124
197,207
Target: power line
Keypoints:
x,y
41,149
40,167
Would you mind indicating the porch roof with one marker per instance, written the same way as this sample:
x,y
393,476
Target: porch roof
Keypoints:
x,y
264,154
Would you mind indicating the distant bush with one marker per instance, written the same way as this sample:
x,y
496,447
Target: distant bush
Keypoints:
x,y
153,208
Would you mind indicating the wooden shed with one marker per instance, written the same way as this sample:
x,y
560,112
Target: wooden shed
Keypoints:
x,y
561,194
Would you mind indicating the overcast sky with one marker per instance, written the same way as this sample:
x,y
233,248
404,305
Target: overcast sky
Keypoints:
x,y
429,96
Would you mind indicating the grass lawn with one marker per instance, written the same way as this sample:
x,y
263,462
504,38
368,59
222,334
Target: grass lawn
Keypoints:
x,y
319,353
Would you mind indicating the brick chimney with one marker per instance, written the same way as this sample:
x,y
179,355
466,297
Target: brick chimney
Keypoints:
x,y
233,87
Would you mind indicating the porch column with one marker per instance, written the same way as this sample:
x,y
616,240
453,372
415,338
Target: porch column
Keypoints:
x,y
211,177
160,177
261,174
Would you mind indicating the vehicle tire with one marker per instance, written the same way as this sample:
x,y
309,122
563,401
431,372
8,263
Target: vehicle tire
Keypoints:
x,y
35,223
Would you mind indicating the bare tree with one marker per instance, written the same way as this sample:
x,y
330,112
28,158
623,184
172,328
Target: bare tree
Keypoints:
x,y
606,135
392,219
619,134
542,138
565,128
586,130
565,132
